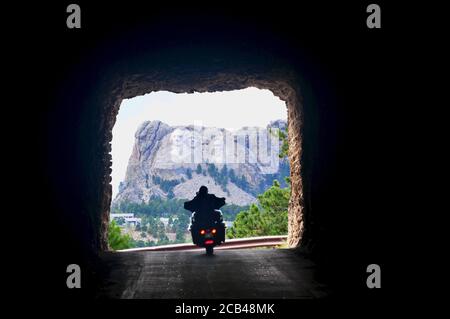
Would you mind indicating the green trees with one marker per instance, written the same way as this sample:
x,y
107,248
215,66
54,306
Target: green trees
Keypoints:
x,y
212,170
116,239
231,175
189,173
156,207
120,221
230,211
283,138
165,184
242,183
180,236
154,227
268,217
224,175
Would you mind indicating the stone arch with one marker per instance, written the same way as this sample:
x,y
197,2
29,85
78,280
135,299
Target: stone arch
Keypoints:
x,y
281,84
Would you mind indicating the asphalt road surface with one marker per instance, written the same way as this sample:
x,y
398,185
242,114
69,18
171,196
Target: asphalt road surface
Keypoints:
x,y
244,273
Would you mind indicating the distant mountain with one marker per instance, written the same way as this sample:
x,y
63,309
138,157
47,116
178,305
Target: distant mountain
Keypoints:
x,y
173,162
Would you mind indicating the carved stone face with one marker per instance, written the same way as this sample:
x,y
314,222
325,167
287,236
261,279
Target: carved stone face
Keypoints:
x,y
178,141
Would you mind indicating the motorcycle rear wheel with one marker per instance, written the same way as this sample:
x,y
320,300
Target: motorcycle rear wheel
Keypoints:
x,y
209,250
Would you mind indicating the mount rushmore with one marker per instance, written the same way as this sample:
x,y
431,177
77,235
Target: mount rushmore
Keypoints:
x,y
174,161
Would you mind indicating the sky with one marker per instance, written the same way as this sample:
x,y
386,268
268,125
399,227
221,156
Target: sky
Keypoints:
x,y
229,109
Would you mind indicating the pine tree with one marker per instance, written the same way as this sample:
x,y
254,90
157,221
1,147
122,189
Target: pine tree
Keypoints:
x,y
116,239
268,217
189,173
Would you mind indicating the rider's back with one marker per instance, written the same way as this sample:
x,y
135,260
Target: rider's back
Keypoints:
x,y
204,206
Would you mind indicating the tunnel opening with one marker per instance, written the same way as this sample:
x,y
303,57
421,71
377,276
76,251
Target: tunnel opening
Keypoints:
x,y
95,99
137,85
152,57
165,146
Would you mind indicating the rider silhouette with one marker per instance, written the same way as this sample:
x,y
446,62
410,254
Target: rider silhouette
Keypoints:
x,y
204,205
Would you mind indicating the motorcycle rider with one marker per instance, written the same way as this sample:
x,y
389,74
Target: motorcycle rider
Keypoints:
x,y
204,205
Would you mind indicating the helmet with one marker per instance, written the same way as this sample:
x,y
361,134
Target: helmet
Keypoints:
x,y
203,190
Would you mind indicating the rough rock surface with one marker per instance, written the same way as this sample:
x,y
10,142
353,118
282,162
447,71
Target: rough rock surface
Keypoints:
x,y
159,69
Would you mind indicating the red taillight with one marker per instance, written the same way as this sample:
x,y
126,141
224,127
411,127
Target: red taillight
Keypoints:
x,y
202,232
209,242
213,231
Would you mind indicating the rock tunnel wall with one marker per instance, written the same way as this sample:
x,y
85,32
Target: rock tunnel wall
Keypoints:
x,y
336,72
83,115
281,83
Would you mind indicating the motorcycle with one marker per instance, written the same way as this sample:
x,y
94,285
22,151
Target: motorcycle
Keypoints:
x,y
208,233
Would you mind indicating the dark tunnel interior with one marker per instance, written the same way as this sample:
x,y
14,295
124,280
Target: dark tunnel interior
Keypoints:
x,y
123,52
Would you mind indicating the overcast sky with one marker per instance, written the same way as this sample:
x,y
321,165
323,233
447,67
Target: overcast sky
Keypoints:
x,y
231,110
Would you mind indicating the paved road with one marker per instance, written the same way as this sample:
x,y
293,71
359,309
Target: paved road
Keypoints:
x,y
245,273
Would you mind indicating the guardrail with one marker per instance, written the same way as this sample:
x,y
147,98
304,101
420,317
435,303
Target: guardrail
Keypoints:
x,y
238,243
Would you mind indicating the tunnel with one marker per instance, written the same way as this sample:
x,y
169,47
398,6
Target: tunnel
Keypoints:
x,y
204,51
209,81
